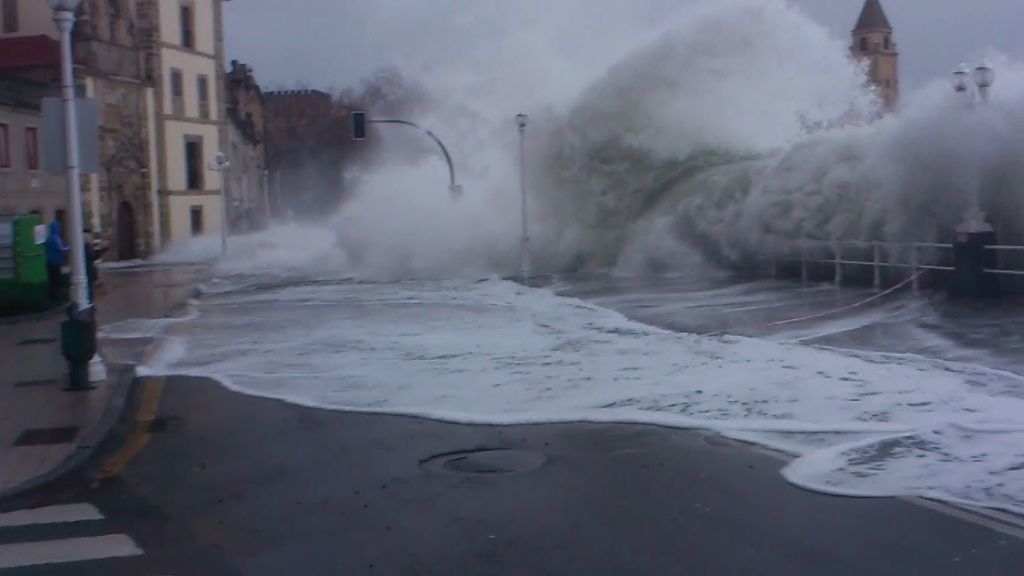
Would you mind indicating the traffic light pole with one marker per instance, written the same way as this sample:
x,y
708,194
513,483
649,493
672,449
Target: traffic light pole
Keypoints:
x,y
359,121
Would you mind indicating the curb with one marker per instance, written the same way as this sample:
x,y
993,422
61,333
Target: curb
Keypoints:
x,y
123,378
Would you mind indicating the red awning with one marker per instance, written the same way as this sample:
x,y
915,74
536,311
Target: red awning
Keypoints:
x,y
29,51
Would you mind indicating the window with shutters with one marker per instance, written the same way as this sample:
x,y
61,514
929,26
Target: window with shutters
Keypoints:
x,y
5,146
177,93
32,148
203,87
188,32
194,162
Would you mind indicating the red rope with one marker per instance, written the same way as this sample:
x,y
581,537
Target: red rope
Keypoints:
x,y
851,306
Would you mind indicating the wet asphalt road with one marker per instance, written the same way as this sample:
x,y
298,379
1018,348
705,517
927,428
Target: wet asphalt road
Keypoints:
x,y
242,485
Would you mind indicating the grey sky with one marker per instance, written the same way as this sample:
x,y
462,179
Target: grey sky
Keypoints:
x,y
333,43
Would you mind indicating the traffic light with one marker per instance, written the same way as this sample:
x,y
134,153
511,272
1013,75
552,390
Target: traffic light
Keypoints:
x,y
358,125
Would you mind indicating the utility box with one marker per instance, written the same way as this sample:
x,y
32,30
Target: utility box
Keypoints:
x,y
23,282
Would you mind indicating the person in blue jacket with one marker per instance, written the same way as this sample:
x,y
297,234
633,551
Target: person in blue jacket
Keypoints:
x,y
55,252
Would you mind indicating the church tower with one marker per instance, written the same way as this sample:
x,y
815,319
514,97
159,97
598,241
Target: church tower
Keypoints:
x,y
872,41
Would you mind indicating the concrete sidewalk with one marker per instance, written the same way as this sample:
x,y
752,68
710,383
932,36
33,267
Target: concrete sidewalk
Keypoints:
x,y
45,430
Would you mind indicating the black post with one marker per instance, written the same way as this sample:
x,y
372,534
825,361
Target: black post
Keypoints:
x,y
972,258
78,345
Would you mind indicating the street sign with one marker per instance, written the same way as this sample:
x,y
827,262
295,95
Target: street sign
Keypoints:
x,y
54,149
358,125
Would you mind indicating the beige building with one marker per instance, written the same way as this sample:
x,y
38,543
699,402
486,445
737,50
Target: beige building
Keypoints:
x,y
153,67
24,186
192,128
873,43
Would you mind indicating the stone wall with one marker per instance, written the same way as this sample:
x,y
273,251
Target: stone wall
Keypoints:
x,y
247,201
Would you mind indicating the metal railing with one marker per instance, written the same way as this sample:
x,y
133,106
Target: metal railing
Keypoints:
x,y
1005,272
877,262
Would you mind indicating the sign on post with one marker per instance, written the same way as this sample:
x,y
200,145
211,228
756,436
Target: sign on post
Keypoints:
x,y
54,149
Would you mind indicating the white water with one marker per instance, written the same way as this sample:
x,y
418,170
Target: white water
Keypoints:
x,y
740,129
495,352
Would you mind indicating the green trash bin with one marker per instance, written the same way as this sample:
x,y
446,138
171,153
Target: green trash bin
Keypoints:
x,y
23,282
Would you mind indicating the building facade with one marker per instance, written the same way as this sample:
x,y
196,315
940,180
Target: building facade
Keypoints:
x,y
305,130
192,130
873,43
153,67
24,186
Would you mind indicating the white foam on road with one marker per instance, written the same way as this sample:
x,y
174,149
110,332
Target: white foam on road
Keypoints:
x,y
67,550
61,513
495,352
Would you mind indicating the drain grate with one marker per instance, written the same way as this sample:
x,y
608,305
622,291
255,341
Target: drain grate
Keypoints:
x,y
492,461
36,341
46,436
34,383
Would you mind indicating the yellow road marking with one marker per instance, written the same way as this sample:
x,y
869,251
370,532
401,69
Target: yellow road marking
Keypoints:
x,y
139,436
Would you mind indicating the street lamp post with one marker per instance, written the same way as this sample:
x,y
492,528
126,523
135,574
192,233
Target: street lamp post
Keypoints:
x,y
522,120
64,17
221,165
974,234
78,332
983,78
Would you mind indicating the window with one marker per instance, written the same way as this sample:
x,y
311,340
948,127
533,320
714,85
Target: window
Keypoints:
x,y
177,93
196,220
32,148
10,16
203,85
188,37
5,147
194,162
888,42
114,18
863,44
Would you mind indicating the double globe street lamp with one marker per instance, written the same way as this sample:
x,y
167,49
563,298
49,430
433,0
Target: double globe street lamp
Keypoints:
x,y
983,77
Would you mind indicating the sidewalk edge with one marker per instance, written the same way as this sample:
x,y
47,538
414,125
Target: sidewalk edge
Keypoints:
x,y
123,378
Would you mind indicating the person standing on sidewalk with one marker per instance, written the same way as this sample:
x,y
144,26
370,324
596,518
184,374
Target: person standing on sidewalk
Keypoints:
x,y
55,252
92,254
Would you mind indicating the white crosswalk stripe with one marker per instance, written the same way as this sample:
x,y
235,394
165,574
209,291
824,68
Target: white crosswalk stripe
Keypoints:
x,y
50,515
67,550
62,550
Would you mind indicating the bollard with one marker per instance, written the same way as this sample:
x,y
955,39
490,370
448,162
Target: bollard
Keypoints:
x,y
78,346
972,258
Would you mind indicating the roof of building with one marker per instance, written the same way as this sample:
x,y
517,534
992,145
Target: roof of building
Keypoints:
x,y
28,51
872,17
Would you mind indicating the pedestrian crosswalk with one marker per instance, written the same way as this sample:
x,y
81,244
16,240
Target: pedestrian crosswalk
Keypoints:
x,y
85,537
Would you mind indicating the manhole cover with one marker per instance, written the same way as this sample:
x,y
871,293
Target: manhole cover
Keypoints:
x,y
486,461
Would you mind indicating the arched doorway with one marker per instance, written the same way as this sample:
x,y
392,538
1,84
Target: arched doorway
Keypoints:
x,y
125,231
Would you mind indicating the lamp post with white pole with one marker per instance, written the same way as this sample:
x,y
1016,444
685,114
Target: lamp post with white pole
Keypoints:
x,y
221,165
522,120
64,17
974,234
78,332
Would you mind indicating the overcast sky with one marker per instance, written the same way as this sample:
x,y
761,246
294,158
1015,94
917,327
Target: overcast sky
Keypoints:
x,y
333,43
